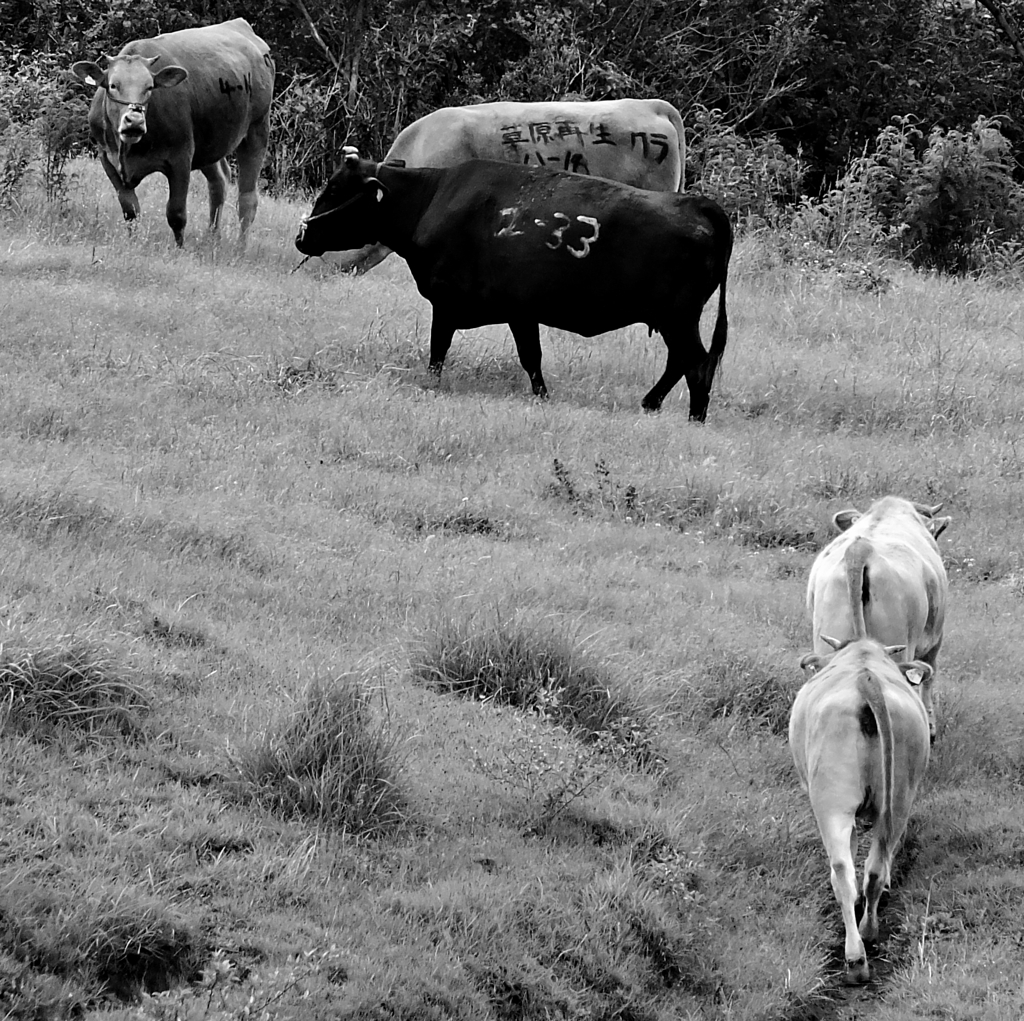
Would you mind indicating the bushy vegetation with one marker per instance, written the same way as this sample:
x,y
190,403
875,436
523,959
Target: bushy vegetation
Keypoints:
x,y
42,122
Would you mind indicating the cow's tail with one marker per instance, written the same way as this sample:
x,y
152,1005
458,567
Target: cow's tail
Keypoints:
x,y
723,253
856,560
870,691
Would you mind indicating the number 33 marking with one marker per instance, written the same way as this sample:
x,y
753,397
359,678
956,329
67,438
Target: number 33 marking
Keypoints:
x,y
586,242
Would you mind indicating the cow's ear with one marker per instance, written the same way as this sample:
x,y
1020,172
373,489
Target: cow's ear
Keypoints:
x,y
916,671
377,187
90,73
168,77
937,526
812,662
844,518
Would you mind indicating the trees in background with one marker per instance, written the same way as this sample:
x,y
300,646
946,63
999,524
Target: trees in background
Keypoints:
x,y
781,98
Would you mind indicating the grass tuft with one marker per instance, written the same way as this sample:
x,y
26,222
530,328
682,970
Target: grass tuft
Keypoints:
x,y
743,687
83,948
141,949
73,685
538,670
327,761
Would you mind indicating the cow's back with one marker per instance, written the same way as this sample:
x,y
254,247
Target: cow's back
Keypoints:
x,y
635,141
905,582
230,85
498,238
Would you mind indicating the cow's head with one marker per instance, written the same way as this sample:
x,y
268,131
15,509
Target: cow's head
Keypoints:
x,y
926,515
344,215
128,84
813,662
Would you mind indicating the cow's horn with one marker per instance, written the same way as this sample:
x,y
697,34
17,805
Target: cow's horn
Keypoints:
x,y
834,642
351,154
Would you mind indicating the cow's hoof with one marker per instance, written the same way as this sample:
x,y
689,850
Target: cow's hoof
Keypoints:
x,y
857,972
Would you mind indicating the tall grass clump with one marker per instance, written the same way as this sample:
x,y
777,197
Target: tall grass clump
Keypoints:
x,y
327,760
537,669
73,684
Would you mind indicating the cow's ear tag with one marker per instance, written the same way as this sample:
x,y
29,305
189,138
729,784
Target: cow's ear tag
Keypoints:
x,y
380,194
914,676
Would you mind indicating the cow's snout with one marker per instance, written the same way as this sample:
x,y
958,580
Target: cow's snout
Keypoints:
x,y
132,126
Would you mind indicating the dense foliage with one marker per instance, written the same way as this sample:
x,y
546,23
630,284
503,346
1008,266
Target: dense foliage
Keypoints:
x,y
781,100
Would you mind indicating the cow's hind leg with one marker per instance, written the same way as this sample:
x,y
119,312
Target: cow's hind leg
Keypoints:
x,y
527,337
250,154
686,357
441,333
217,175
837,833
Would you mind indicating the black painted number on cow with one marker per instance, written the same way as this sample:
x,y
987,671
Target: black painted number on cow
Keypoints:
x,y
245,85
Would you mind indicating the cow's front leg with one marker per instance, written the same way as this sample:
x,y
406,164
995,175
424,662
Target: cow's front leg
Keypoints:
x,y
527,337
125,196
177,180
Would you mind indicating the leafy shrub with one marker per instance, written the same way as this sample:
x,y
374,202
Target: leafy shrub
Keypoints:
x,y
548,768
753,178
47,111
962,192
948,202
327,760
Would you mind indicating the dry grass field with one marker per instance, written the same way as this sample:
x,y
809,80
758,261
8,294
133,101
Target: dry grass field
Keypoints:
x,y
329,690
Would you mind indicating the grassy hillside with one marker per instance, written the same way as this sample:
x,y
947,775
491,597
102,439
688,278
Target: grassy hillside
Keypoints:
x,y
329,690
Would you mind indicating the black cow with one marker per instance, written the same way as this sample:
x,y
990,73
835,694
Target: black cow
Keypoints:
x,y
490,242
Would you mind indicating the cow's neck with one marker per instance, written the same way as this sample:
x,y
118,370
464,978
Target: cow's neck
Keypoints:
x,y
409,194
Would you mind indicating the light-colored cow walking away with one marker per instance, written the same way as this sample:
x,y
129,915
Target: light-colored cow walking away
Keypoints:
x,y
883,578
858,732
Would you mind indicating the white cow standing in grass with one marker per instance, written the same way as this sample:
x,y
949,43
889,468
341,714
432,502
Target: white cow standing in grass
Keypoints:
x,y
883,578
859,735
